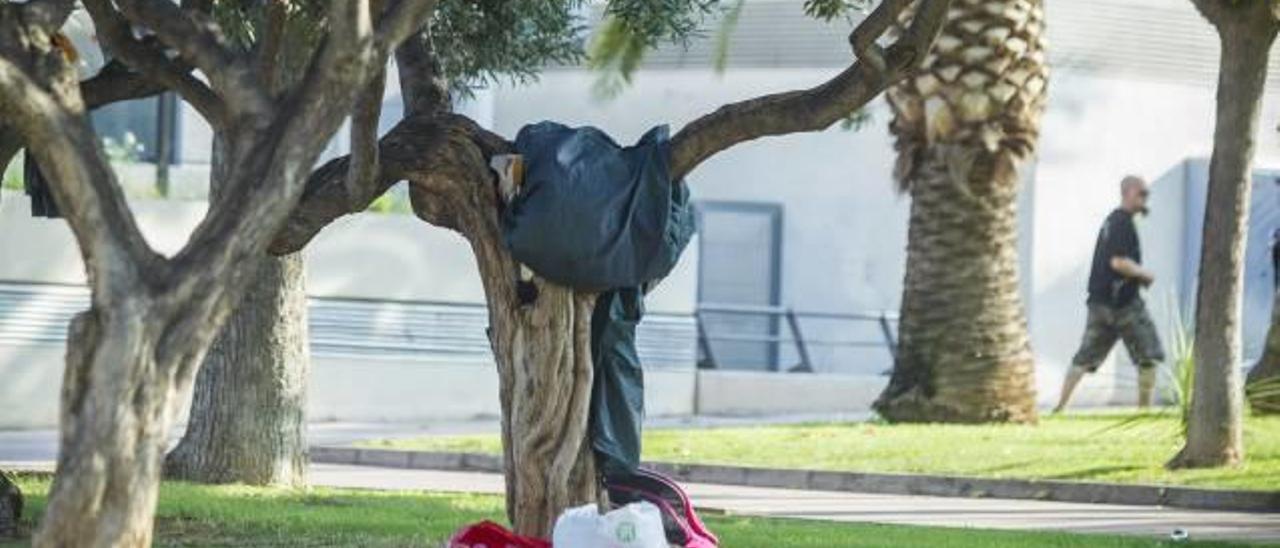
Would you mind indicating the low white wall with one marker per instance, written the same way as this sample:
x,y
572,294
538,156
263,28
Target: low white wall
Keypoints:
x,y
379,390
757,393
392,390
30,384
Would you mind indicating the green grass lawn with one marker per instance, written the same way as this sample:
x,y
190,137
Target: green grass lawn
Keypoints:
x,y
1107,447
196,515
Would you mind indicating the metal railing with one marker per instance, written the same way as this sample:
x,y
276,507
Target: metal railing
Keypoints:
x,y
351,328
886,321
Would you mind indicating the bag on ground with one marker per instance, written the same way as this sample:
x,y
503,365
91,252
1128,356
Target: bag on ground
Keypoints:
x,y
680,523
635,525
488,534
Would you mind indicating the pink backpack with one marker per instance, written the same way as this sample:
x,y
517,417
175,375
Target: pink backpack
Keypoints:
x,y
681,523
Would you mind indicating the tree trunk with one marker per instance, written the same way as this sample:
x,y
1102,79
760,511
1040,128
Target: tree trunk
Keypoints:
x,y
963,125
544,365
1267,370
963,351
542,348
248,409
109,457
10,506
1214,430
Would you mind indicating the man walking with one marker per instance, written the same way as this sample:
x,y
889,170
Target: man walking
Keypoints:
x,y
1116,309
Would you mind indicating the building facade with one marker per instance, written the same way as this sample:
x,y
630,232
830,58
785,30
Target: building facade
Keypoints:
x,y
810,224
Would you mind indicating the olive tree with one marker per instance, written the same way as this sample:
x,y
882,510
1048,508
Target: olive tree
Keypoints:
x,y
152,317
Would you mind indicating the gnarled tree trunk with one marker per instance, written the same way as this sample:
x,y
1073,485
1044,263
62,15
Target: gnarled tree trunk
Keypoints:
x,y
542,348
1215,428
109,456
248,409
963,125
1265,375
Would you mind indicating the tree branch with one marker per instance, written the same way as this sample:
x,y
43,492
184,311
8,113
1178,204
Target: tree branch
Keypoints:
x,y
269,48
114,83
863,38
813,109
197,38
411,147
362,175
402,19
284,151
422,87
38,96
117,36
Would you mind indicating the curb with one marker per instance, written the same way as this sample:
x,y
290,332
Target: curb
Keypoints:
x,y
854,482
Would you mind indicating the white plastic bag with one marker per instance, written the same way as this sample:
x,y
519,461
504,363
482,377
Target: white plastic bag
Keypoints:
x,y
636,525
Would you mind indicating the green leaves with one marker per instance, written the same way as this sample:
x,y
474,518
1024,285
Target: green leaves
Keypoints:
x,y
484,41
827,10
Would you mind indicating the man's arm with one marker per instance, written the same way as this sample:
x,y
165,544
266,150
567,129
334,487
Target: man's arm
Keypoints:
x,y
1130,269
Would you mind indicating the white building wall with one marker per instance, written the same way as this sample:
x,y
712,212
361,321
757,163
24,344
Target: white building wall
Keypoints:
x,y
1096,131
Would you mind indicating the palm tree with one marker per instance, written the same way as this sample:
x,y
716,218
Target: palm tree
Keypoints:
x,y
963,125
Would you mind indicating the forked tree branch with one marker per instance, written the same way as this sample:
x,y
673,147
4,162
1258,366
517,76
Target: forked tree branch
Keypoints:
x,y
117,37
39,97
197,38
326,197
813,109
423,88
289,145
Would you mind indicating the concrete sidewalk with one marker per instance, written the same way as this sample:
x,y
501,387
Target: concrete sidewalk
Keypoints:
x,y
1153,522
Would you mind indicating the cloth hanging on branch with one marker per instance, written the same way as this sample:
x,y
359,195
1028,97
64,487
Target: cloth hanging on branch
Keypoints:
x,y
596,216
37,188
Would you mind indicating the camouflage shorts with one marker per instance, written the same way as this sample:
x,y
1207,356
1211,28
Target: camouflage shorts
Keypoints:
x,y
1130,323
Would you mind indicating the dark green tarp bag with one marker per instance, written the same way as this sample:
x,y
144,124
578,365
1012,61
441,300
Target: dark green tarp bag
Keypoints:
x,y
596,216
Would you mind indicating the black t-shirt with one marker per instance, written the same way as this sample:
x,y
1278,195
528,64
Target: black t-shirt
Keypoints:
x,y
1118,238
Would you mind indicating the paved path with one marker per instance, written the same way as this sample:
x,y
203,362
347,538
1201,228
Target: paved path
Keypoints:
x,y
854,507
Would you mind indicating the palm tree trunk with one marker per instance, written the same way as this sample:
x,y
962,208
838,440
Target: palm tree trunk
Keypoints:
x,y
963,126
963,352
1214,432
